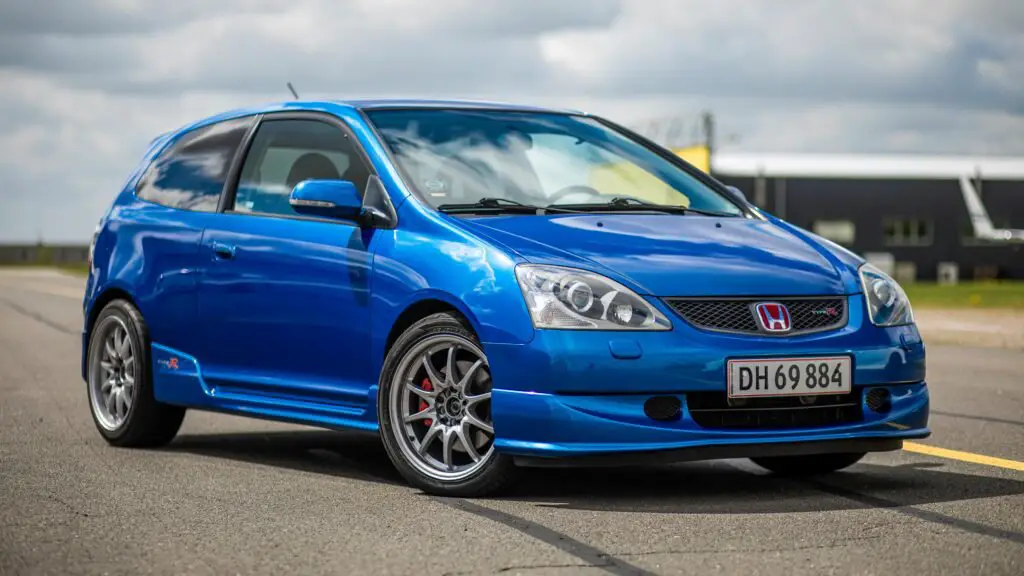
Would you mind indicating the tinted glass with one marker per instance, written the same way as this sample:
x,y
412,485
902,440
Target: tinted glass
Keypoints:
x,y
460,156
191,173
286,152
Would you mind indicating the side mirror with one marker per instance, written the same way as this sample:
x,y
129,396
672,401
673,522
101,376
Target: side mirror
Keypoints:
x,y
737,194
327,198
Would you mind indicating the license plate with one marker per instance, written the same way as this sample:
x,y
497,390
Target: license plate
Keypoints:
x,y
789,376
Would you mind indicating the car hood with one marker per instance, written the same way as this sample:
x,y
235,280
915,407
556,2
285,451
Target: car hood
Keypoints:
x,y
673,255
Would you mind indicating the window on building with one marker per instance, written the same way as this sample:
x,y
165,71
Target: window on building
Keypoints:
x,y
839,231
907,232
190,174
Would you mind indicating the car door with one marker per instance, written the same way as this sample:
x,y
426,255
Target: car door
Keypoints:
x,y
161,229
284,300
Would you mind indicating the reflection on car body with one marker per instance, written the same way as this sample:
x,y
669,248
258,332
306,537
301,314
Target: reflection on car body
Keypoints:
x,y
488,287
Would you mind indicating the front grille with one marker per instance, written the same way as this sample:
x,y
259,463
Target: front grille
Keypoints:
x,y
737,314
714,410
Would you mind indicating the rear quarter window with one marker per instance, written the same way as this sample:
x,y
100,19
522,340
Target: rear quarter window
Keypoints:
x,y
190,174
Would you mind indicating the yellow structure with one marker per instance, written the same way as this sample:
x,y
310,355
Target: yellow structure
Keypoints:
x,y
631,180
699,156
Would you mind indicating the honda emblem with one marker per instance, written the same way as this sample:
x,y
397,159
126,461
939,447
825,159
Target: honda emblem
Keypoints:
x,y
774,317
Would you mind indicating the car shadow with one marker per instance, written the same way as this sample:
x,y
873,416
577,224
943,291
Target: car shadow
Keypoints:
x,y
716,487
355,455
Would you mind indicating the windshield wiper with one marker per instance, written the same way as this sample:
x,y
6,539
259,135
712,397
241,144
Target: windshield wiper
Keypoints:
x,y
625,204
498,206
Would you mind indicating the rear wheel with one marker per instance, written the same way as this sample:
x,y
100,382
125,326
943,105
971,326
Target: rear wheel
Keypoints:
x,y
119,382
435,411
808,465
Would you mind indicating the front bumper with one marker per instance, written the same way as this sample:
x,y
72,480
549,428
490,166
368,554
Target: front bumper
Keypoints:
x,y
571,394
559,426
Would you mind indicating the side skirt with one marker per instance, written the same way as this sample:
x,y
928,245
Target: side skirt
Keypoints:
x,y
178,380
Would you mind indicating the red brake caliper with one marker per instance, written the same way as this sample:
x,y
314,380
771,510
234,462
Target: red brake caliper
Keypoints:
x,y
423,403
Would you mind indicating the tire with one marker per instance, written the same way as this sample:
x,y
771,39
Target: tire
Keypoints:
x,y
808,465
144,422
444,471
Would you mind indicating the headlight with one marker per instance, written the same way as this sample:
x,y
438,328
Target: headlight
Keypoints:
x,y
570,299
887,304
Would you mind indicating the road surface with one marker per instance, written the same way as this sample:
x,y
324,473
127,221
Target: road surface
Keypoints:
x,y
231,495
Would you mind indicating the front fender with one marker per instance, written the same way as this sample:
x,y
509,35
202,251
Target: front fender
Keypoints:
x,y
425,259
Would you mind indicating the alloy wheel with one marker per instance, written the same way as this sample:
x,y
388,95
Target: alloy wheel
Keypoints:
x,y
112,373
440,407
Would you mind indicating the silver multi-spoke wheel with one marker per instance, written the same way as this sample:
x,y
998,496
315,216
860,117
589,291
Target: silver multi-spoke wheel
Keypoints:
x,y
440,407
112,370
118,381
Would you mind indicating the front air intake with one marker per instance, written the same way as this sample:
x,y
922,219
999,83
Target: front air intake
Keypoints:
x,y
714,410
878,400
737,316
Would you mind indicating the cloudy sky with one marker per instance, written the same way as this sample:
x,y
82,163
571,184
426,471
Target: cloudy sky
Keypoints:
x,y
85,84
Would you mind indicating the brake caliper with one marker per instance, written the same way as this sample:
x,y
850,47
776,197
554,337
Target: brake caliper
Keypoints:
x,y
428,387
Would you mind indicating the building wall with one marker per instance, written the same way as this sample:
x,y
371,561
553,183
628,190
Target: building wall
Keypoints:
x,y
1004,200
872,204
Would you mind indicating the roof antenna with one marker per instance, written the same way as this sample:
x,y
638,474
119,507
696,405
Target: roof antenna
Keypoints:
x,y
292,89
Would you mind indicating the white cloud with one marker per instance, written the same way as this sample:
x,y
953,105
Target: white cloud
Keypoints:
x,y
87,84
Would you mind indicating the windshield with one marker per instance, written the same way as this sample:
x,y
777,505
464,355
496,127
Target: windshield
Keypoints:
x,y
539,159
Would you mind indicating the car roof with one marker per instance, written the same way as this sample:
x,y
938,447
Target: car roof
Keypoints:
x,y
352,106
377,104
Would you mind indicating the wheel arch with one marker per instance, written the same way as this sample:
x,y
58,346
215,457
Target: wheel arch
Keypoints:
x,y
420,309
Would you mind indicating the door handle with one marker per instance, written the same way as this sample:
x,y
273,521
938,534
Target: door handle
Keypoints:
x,y
223,251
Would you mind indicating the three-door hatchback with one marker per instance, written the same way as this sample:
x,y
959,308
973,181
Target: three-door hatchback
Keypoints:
x,y
488,287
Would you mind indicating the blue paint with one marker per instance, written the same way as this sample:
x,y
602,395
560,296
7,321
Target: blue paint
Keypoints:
x,y
625,349
289,318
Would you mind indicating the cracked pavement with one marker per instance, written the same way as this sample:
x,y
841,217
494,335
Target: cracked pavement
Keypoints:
x,y
232,495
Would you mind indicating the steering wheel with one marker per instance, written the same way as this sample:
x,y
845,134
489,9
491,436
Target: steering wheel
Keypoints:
x,y
574,189
480,180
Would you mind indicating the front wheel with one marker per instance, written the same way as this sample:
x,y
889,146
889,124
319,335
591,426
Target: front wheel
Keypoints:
x,y
434,410
813,465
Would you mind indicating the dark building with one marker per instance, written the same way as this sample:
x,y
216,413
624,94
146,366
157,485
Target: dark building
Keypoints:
x,y
909,211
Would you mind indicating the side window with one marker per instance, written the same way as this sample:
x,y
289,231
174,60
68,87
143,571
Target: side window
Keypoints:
x,y
286,152
191,173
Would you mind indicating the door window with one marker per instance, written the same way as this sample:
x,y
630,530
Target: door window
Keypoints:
x,y
287,152
190,174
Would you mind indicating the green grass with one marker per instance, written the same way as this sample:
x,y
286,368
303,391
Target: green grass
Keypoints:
x,y
1006,294
76,269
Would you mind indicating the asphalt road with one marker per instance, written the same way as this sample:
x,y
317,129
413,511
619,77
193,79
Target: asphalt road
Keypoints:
x,y
231,495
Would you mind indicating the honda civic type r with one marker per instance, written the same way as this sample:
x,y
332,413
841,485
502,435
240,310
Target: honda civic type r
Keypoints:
x,y
488,287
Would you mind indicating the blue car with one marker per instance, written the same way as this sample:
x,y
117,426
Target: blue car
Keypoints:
x,y
487,287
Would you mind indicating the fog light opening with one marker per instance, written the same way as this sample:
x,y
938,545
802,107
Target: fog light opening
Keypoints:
x,y
663,408
879,400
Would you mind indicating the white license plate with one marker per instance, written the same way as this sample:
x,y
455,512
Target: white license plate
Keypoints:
x,y
789,376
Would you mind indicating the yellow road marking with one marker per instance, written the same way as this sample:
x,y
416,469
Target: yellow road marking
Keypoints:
x,y
963,456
